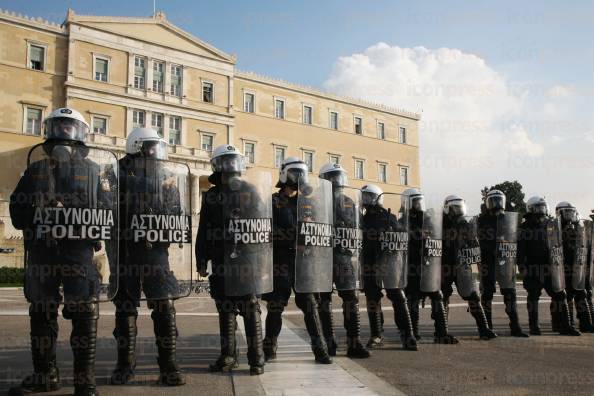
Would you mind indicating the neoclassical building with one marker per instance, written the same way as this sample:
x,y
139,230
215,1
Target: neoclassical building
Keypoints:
x,y
122,72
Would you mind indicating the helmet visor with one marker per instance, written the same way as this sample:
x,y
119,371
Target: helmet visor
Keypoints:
x,y
568,214
418,203
369,198
294,175
231,163
156,149
337,178
541,208
457,208
496,202
64,128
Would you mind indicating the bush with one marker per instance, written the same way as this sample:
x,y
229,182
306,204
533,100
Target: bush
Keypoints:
x,y
14,276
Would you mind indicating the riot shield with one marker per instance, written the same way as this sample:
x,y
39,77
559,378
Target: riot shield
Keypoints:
x,y
313,256
555,269
432,251
578,273
157,228
392,268
468,258
348,238
588,225
506,250
247,215
71,240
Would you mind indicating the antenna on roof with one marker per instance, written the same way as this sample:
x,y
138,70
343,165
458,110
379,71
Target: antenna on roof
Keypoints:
x,y
154,8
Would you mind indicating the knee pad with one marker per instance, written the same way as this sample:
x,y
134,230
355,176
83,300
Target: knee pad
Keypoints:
x,y
348,295
396,295
164,307
305,301
81,311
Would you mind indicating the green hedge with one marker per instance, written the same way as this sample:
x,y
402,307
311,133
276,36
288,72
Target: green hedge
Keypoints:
x,y
12,276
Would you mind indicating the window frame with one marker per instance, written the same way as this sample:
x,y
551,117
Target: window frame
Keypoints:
x,y
105,117
155,62
212,84
383,124
143,125
279,147
330,112
400,168
313,159
337,156
144,77
362,161
383,165
311,114
33,43
169,129
154,114
173,66
253,143
26,107
355,118
106,59
253,94
284,102
402,129
210,135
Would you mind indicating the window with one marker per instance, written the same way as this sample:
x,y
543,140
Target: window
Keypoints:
x,y
279,108
308,158
36,57
359,169
335,159
402,135
207,142
333,120
176,80
279,156
138,117
307,115
381,130
248,102
33,123
139,72
382,172
101,69
404,175
358,125
249,150
99,125
157,123
158,76
174,130
207,92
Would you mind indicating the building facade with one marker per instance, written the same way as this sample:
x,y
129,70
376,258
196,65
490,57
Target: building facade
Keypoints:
x,y
123,72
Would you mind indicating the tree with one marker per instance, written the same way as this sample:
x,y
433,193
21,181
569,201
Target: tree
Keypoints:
x,y
514,195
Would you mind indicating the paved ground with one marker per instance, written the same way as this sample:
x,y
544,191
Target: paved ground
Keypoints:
x,y
540,365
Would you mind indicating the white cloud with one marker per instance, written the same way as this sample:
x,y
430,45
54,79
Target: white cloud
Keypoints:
x,y
560,91
477,129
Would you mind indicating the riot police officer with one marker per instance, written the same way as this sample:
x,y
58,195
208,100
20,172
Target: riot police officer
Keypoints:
x,y
377,220
590,264
345,267
461,252
538,243
574,260
495,225
145,190
65,178
293,173
422,268
228,164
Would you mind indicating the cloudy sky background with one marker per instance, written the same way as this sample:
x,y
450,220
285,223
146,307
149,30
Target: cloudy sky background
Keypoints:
x,y
505,89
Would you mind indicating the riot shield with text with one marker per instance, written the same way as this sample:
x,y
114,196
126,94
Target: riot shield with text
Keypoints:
x,y
432,251
555,269
157,228
468,258
71,237
247,215
392,268
348,238
578,273
506,250
313,256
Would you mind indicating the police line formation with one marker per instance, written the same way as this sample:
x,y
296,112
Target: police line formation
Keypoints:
x,y
311,236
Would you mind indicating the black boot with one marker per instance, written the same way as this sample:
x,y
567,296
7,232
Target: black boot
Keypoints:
x,y
314,329
227,361
590,306
327,321
564,320
352,324
404,324
487,305
570,305
166,337
83,341
476,310
125,334
556,314
253,335
274,324
376,326
583,314
533,322
44,331
413,308
441,335
511,309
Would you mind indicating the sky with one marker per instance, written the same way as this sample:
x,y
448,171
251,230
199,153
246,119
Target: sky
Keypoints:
x,y
504,88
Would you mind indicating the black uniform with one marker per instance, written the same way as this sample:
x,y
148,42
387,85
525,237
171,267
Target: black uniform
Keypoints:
x,y
50,263
589,285
343,272
376,220
284,229
533,262
413,289
210,245
456,232
487,232
148,263
577,297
